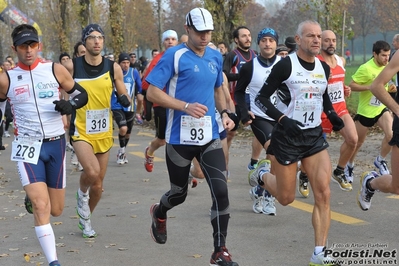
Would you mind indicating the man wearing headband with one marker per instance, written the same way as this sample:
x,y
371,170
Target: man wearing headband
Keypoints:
x,y
32,89
169,39
252,76
193,91
91,126
300,80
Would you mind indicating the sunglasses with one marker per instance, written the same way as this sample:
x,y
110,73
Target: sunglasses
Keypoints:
x,y
33,45
93,37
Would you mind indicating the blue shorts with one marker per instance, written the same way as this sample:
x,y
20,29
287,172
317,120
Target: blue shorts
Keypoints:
x,y
50,167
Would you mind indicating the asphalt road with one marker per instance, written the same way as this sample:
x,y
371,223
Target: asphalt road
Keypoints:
x,y
122,218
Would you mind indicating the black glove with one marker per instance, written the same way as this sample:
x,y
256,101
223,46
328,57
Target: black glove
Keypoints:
x,y
335,120
123,100
64,107
291,126
234,117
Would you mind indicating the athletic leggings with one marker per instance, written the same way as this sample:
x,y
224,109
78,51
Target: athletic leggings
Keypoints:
x,y
212,161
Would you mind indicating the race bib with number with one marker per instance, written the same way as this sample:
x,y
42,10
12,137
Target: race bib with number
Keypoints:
x,y
97,121
336,92
273,99
195,131
25,150
374,102
308,112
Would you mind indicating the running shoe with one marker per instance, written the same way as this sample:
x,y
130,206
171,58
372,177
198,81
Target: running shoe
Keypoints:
x,y
6,134
192,180
251,167
364,195
254,177
349,173
74,158
139,119
303,184
222,258
382,166
79,167
69,147
340,179
28,205
83,209
269,207
321,260
121,158
149,161
87,230
2,148
158,226
258,200
54,263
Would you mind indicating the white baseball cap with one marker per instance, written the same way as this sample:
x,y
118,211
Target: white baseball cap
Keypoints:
x,y
200,19
169,33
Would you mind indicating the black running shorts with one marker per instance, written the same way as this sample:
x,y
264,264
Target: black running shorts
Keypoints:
x,y
288,150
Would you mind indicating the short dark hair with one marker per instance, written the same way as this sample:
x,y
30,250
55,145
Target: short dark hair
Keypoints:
x,y
380,46
75,49
236,31
225,44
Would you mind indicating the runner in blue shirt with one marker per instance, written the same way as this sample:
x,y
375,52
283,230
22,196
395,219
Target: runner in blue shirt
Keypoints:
x,y
192,75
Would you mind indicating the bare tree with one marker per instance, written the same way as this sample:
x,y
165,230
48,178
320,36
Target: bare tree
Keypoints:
x,y
363,13
227,15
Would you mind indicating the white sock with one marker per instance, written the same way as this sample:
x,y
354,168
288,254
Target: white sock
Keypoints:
x,y
318,249
380,158
46,237
81,193
351,165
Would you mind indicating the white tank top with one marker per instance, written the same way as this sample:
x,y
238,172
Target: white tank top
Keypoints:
x,y
31,94
259,76
306,89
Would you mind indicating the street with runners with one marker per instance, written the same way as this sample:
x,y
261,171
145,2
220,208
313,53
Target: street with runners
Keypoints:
x,y
122,221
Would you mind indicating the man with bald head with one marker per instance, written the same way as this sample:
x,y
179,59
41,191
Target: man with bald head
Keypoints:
x,y
301,82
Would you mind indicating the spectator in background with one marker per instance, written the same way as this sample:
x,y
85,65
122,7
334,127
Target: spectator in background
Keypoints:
x,y
134,63
282,50
143,64
223,48
63,57
9,59
79,50
348,56
291,44
5,66
183,38
395,44
154,53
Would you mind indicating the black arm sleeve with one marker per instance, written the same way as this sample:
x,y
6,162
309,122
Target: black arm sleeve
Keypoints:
x,y
242,84
79,96
228,64
280,72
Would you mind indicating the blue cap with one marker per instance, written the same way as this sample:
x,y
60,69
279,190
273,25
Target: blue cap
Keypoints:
x,y
268,32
